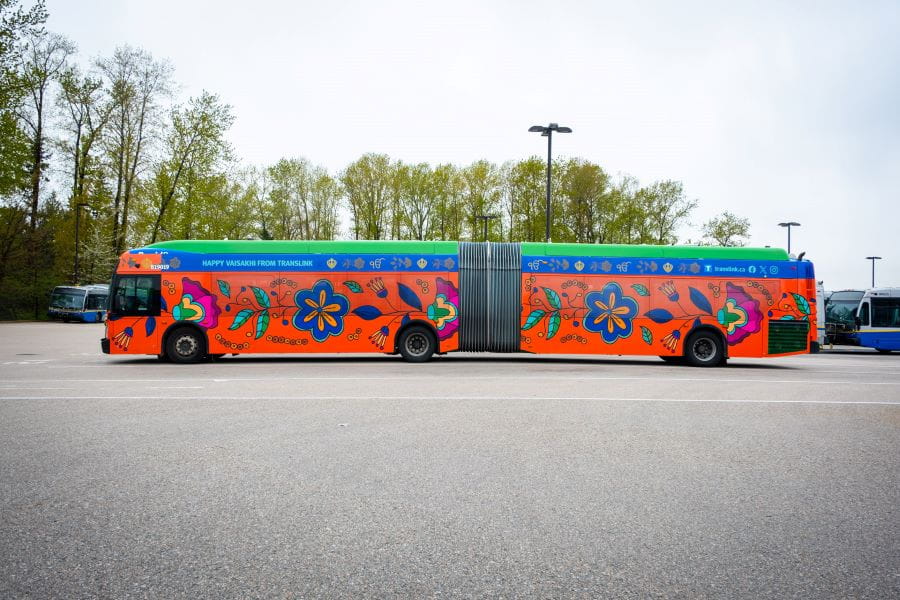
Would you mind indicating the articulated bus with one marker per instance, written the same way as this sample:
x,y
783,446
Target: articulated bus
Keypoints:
x,y
85,303
187,301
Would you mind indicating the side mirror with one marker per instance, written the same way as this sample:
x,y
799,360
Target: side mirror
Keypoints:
x,y
857,322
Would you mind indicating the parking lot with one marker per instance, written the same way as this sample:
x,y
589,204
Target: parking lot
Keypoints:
x,y
471,475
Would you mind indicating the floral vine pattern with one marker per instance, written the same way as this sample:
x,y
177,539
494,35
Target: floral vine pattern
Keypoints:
x,y
320,310
676,310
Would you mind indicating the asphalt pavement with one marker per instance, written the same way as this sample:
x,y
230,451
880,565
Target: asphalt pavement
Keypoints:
x,y
468,476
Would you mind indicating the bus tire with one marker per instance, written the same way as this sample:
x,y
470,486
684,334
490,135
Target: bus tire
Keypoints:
x,y
704,348
185,345
417,344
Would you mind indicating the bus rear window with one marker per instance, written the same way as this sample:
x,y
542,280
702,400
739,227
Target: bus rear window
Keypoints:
x,y
135,296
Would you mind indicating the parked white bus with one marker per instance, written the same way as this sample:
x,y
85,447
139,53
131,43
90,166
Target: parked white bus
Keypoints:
x,y
878,319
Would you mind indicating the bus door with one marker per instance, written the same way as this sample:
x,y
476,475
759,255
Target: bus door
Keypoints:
x,y
134,312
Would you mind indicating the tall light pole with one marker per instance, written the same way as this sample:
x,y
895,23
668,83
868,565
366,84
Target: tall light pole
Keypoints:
x,y
789,224
78,208
548,133
484,219
873,259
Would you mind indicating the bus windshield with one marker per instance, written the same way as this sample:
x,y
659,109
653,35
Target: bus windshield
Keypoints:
x,y
68,298
841,306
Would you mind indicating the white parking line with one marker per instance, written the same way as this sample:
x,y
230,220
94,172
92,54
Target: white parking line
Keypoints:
x,y
420,398
430,378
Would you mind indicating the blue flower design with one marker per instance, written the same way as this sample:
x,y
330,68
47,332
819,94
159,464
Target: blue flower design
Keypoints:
x,y
610,313
320,310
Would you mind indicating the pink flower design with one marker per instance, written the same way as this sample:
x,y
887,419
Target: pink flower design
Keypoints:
x,y
444,311
740,316
196,305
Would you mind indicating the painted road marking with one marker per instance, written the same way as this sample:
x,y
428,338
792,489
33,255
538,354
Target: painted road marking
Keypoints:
x,y
420,398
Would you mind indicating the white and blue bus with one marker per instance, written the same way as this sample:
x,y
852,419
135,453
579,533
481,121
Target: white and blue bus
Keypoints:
x,y
878,319
85,303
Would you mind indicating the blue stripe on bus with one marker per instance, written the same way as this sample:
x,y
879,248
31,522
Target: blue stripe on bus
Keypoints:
x,y
175,261
192,262
667,267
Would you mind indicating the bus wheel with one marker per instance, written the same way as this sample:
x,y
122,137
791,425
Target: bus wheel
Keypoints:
x,y
417,344
704,349
185,345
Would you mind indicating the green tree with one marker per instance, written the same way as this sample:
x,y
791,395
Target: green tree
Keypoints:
x,y
416,199
663,208
447,187
589,207
525,199
727,229
195,148
87,112
482,191
367,183
302,202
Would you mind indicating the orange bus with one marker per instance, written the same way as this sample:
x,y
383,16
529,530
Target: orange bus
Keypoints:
x,y
187,301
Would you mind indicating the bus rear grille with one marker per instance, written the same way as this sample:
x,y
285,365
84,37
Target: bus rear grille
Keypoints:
x,y
788,336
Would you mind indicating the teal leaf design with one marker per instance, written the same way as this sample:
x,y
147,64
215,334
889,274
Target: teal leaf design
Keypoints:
x,y
261,297
788,318
659,315
224,287
700,300
552,298
553,323
409,296
641,289
262,323
240,318
802,303
646,334
353,287
533,319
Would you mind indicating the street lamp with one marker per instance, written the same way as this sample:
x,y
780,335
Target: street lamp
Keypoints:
x,y
789,224
873,259
485,218
78,208
548,133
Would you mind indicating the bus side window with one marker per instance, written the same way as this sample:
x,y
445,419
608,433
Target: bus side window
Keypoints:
x,y
864,314
885,312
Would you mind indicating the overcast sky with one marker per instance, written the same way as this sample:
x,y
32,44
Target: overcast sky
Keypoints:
x,y
781,111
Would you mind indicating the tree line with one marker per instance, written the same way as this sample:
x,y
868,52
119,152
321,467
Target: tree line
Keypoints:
x,y
109,149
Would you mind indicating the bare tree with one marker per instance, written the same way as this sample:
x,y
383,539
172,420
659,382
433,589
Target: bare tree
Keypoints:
x,y
42,60
137,84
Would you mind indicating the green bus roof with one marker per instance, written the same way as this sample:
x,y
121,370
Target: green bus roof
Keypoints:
x,y
308,247
648,251
417,247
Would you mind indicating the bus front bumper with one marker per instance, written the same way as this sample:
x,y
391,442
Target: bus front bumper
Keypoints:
x,y
104,345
